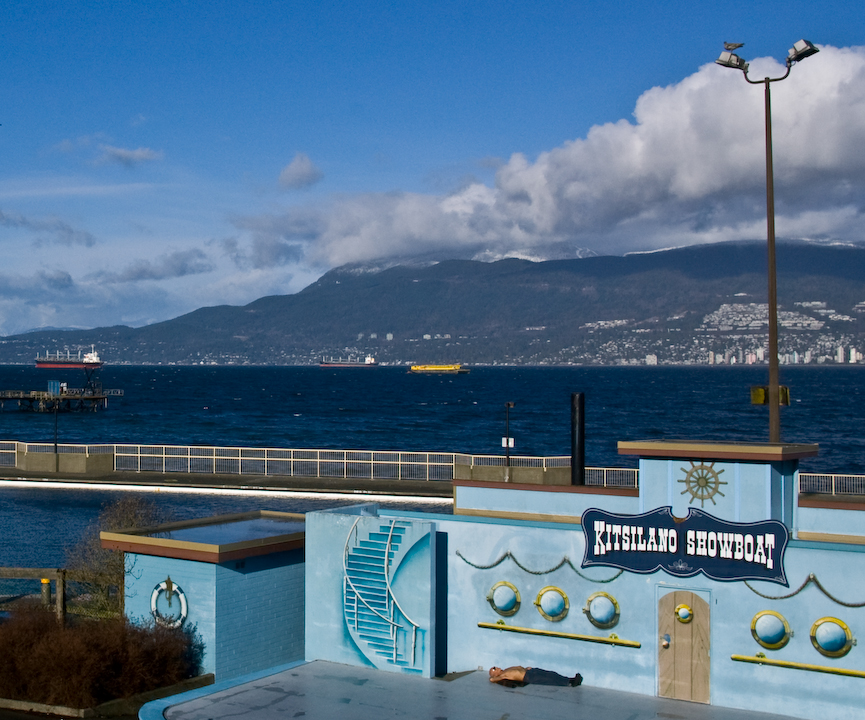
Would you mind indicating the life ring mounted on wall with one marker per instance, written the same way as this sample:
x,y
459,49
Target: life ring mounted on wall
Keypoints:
x,y
171,591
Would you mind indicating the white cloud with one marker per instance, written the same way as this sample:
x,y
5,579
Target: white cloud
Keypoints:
x,y
179,263
688,168
127,157
300,173
53,230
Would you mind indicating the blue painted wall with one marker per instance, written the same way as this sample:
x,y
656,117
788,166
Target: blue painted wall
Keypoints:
x,y
474,544
249,613
259,611
196,579
330,633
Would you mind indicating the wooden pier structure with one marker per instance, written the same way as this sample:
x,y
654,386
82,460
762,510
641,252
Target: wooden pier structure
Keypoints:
x,y
66,400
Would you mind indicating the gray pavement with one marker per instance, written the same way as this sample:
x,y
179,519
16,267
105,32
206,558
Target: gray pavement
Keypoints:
x,y
323,691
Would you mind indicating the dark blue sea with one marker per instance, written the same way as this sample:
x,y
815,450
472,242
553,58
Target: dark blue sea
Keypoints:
x,y
388,409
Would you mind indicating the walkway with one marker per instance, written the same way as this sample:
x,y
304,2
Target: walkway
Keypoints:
x,y
323,691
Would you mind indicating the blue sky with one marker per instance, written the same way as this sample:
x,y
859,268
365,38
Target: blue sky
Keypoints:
x,y
158,157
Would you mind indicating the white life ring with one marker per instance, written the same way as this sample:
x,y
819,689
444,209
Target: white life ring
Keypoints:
x,y
158,616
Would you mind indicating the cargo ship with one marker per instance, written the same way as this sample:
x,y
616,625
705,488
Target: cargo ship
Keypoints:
x,y
88,361
368,361
454,369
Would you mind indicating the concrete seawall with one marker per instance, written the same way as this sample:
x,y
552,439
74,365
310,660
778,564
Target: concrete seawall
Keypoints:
x,y
352,486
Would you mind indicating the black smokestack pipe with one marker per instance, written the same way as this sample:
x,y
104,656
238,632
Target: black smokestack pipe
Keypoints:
x,y
578,439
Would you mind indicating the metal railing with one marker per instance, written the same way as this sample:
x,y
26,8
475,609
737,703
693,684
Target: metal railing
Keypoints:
x,y
357,464
832,484
360,464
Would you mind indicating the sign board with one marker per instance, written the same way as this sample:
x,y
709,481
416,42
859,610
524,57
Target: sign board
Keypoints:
x,y
700,543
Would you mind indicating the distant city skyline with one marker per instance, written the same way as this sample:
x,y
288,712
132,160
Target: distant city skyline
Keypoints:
x,y
165,157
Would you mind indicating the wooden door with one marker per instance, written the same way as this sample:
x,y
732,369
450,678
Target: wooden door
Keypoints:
x,y
683,647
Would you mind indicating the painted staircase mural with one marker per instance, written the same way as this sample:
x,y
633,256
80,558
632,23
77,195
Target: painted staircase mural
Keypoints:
x,y
379,626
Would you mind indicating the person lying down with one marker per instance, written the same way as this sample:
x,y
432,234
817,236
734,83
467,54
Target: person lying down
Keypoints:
x,y
519,675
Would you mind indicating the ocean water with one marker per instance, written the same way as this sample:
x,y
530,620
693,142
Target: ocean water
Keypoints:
x,y
388,409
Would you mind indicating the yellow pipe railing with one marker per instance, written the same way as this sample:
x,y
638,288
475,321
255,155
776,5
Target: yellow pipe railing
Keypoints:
x,y
611,640
760,660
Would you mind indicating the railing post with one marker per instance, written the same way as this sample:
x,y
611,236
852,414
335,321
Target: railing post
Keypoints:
x,y
60,596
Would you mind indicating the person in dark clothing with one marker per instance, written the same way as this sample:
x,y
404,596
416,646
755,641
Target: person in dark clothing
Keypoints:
x,y
519,675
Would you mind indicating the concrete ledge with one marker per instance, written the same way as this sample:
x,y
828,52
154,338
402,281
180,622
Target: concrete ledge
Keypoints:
x,y
76,463
517,475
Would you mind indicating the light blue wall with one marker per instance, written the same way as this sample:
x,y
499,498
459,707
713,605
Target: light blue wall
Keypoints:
x,y
328,636
841,571
748,491
831,521
250,617
540,546
259,610
196,579
513,500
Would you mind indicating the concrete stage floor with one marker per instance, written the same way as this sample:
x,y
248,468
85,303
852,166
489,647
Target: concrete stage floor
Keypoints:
x,y
323,691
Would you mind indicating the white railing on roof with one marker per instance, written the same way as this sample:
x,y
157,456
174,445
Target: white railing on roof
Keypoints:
x,y
832,484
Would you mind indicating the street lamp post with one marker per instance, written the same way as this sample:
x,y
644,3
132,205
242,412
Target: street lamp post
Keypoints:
x,y
506,441
799,51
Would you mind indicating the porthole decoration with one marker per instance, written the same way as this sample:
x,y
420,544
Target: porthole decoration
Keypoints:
x,y
552,603
831,637
771,629
684,613
602,610
504,598
168,604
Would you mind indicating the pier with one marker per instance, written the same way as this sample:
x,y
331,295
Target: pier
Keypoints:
x,y
61,399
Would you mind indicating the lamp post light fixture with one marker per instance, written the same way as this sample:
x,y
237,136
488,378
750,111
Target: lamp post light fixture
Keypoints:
x,y
507,440
799,51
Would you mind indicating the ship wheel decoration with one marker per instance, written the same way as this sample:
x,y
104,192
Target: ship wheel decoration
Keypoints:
x,y
703,482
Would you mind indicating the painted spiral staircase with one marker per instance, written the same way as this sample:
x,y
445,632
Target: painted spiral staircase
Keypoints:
x,y
376,622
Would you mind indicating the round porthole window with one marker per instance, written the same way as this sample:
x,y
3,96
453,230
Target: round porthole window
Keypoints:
x,y
831,637
684,613
168,604
602,610
770,629
552,603
504,598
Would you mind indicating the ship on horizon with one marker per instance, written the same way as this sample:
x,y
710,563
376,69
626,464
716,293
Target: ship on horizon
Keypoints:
x,y
368,361
451,369
87,361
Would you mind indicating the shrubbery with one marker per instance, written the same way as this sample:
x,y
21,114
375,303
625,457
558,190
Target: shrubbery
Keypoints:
x,y
90,662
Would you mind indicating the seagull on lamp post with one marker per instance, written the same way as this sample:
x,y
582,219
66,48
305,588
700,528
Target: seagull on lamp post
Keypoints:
x,y
729,47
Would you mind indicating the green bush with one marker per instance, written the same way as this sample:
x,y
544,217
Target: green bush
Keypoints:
x,y
90,662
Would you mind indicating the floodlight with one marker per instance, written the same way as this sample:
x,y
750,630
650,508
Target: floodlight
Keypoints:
x,y
732,60
801,50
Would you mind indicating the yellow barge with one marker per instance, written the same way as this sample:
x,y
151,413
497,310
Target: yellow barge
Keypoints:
x,y
455,369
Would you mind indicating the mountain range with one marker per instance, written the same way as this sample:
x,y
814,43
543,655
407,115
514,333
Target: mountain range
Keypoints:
x,y
509,311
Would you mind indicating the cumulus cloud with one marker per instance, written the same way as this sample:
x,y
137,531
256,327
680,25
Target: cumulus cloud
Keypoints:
x,y
124,156
171,265
52,231
688,168
300,173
